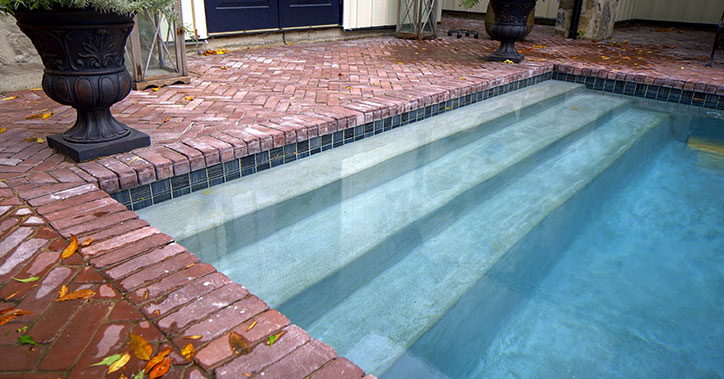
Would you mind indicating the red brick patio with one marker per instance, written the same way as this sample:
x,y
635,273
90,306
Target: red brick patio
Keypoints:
x,y
238,103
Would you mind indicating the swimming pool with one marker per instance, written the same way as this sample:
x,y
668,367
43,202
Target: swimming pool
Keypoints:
x,y
386,249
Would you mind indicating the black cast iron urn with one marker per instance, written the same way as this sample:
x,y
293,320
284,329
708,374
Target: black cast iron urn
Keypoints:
x,y
83,54
509,26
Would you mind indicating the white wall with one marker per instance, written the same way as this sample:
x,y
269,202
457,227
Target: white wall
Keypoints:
x,y
358,14
543,8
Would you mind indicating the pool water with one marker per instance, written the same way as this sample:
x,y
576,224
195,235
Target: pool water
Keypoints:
x,y
441,249
638,293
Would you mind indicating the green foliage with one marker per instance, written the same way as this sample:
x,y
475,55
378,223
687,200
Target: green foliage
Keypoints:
x,y
26,340
109,360
122,7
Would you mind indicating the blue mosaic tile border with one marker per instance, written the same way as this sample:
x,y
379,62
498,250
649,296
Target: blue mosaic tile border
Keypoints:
x,y
648,91
166,189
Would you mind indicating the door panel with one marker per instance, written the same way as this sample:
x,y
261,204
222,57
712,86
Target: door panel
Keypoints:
x,y
293,13
238,15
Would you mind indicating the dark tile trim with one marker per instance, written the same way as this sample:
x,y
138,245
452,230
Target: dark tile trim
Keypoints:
x,y
166,189
171,188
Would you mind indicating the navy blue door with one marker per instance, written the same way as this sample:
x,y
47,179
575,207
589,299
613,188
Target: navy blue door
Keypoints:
x,y
293,13
237,15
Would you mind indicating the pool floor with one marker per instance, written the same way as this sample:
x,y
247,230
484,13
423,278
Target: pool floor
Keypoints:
x,y
638,294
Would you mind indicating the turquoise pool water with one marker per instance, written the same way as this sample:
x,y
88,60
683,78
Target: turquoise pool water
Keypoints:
x,y
421,252
638,293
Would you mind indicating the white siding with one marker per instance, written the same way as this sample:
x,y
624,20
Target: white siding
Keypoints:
x,y
193,15
369,13
695,11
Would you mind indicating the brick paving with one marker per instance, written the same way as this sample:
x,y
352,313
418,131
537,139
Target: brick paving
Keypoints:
x,y
237,104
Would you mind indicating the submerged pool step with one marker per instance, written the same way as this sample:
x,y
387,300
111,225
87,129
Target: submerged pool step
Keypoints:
x,y
322,254
378,322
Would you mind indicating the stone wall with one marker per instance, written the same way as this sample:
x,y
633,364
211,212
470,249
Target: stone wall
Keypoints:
x,y
20,66
596,22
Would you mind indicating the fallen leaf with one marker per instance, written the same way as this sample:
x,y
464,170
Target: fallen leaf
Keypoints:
x,y
253,324
166,119
575,109
246,374
508,61
160,369
400,63
87,242
189,98
188,352
40,115
7,314
140,347
123,376
117,365
71,248
156,360
26,280
26,340
274,337
224,68
3,130
63,291
80,294
12,295
109,360
194,337
9,98
139,375
238,343
145,295
39,140
36,89
155,89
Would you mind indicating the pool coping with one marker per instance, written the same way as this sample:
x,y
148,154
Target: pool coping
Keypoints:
x,y
138,259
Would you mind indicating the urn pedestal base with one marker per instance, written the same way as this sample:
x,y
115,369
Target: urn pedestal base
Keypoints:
x,y
81,152
506,52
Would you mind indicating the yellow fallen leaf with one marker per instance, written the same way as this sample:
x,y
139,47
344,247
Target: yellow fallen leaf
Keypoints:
x,y
12,295
71,248
7,314
3,130
189,98
224,68
156,360
166,119
87,242
117,365
9,98
155,89
145,295
140,347
194,337
508,61
39,140
188,352
253,324
63,291
400,63
80,294
36,89
575,109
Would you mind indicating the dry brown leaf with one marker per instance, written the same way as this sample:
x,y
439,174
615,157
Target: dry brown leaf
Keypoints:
x,y
194,337
80,294
87,242
160,369
156,360
188,352
140,347
253,324
239,344
145,295
166,119
71,248
117,365
7,314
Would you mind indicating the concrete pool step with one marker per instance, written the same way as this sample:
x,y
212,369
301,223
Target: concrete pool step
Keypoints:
x,y
377,323
239,210
373,228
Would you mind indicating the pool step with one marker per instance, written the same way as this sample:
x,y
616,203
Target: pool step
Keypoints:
x,y
377,323
240,213
375,228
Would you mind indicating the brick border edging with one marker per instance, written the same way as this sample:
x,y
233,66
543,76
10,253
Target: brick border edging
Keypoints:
x,y
236,167
228,165
179,295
